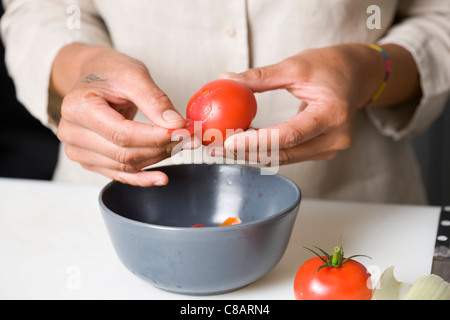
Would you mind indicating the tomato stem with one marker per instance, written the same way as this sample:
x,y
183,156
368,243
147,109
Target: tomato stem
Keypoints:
x,y
337,257
335,261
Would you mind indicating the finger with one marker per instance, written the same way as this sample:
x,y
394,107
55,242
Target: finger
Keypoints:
x,y
275,76
298,129
191,135
322,147
96,115
140,178
152,101
86,139
124,160
271,159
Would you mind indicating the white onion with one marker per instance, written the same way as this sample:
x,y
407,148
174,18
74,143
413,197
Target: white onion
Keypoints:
x,y
427,287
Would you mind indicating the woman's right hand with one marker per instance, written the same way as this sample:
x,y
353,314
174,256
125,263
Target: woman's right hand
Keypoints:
x,y
102,90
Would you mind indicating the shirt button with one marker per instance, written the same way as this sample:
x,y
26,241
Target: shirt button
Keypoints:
x,y
229,31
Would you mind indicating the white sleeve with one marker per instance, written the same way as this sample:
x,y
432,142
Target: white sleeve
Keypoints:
x,y
33,32
424,30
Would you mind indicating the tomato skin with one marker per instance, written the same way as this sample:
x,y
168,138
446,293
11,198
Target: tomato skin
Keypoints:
x,y
231,221
347,282
222,104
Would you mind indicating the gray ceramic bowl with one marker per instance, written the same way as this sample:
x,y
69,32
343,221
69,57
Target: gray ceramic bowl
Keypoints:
x,y
151,231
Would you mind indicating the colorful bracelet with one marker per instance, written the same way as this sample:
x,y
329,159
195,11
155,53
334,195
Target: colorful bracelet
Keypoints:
x,y
386,76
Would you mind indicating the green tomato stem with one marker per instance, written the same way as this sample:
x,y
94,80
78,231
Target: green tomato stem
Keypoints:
x,y
335,261
337,258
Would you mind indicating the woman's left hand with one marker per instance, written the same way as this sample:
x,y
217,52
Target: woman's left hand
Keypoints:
x,y
331,83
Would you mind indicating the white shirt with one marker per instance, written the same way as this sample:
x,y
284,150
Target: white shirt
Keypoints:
x,y
188,43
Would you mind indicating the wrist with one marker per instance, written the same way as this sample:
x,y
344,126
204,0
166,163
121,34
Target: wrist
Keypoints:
x,y
387,74
69,65
371,67
370,71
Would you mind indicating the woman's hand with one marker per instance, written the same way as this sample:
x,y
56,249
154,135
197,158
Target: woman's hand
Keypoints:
x,y
331,83
97,114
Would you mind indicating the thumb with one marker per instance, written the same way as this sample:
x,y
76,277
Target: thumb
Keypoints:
x,y
275,76
155,104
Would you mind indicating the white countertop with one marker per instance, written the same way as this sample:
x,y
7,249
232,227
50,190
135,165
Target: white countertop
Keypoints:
x,y
54,245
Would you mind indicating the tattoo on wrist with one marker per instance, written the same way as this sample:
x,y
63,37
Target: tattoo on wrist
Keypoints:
x,y
92,78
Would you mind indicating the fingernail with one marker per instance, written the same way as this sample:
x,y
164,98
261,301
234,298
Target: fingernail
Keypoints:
x,y
229,75
234,144
159,183
172,116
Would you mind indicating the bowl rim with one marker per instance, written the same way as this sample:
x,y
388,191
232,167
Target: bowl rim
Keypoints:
x,y
245,225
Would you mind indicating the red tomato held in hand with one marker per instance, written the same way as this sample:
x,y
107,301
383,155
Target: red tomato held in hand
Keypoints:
x,y
221,105
332,278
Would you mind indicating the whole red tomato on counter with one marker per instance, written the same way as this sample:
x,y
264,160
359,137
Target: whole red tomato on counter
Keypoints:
x,y
334,277
222,104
